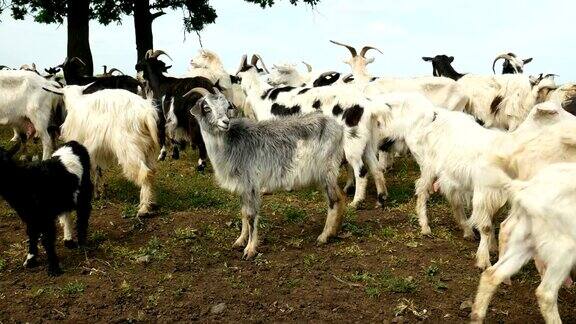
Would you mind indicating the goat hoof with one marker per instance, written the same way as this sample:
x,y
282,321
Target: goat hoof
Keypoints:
x,y
350,190
31,262
175,155
357,205
322,239
70,244
239,244
380,203
55,271
162,156
201,167
483,264
249,254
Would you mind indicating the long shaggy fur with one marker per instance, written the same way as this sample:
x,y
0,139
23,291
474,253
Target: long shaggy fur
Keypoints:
x,y
541,225
116,126
27,107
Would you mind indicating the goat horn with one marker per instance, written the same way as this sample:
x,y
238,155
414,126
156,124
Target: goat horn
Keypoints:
x,y
308,66
148,54
4,67
157,53
350,48
79,60
202,91
259,58
366,49
243,63
507,57
550,74
112,70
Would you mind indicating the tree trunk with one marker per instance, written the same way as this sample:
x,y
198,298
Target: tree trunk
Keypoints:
x,y
142,27
78,12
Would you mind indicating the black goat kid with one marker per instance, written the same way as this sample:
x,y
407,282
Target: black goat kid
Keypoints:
x,y
41,192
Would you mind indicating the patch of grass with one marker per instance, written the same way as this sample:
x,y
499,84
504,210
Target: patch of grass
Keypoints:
x,y
397,284
352,250
372,291
186,234
400,193
98,237
294,215
2,264
432,270
388,233
73,288
310,259
154,249
295,242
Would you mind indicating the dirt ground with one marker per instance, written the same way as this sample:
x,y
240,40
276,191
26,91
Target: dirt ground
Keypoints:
x,y
179,265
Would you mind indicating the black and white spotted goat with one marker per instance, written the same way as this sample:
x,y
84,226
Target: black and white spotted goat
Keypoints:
x,y
284,154
357,113
43,191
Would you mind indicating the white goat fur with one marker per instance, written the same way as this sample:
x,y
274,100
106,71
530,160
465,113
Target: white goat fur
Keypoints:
x,y
207,64
116,126
517,93
23,100
540,225
450,147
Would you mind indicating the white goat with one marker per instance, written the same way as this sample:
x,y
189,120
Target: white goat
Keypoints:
x,y
116,126
207,64
541,225
26,107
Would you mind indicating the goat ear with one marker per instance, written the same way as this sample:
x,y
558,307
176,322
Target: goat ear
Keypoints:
x,y
196,110
528,60
451,59
370,60
426,58
546,110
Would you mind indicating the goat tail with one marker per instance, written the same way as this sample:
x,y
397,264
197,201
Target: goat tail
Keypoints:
x,y
494,175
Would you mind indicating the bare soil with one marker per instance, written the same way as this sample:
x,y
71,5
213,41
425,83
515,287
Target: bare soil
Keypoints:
x,y
179,265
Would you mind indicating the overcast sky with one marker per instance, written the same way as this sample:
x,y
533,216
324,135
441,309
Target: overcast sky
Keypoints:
x,y
472,31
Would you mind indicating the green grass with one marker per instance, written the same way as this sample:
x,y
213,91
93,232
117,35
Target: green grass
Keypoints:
x,y
3,264
73,288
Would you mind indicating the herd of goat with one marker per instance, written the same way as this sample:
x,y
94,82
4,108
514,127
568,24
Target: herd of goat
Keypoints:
x,y
479,140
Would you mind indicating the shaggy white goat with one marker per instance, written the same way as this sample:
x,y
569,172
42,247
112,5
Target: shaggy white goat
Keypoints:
x,y
116,126
26,107
540,225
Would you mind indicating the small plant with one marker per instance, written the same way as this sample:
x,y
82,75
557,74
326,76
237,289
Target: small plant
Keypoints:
x,y
388,233
97,237
397,284
2,264
372,291
73,288
432,270
294,215
186,234
310,259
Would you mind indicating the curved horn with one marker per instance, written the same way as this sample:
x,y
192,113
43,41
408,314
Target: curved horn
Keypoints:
x,y
4,67
308,66
259,58
367,48
350,48
148,54
157,53
550,75
243,63
507,57
112,70
203,92
78,59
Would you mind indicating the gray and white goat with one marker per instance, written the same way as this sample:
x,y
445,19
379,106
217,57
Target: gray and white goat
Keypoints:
x,y
284,154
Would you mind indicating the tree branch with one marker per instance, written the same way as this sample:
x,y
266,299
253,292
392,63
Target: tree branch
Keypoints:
x,y
156,15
